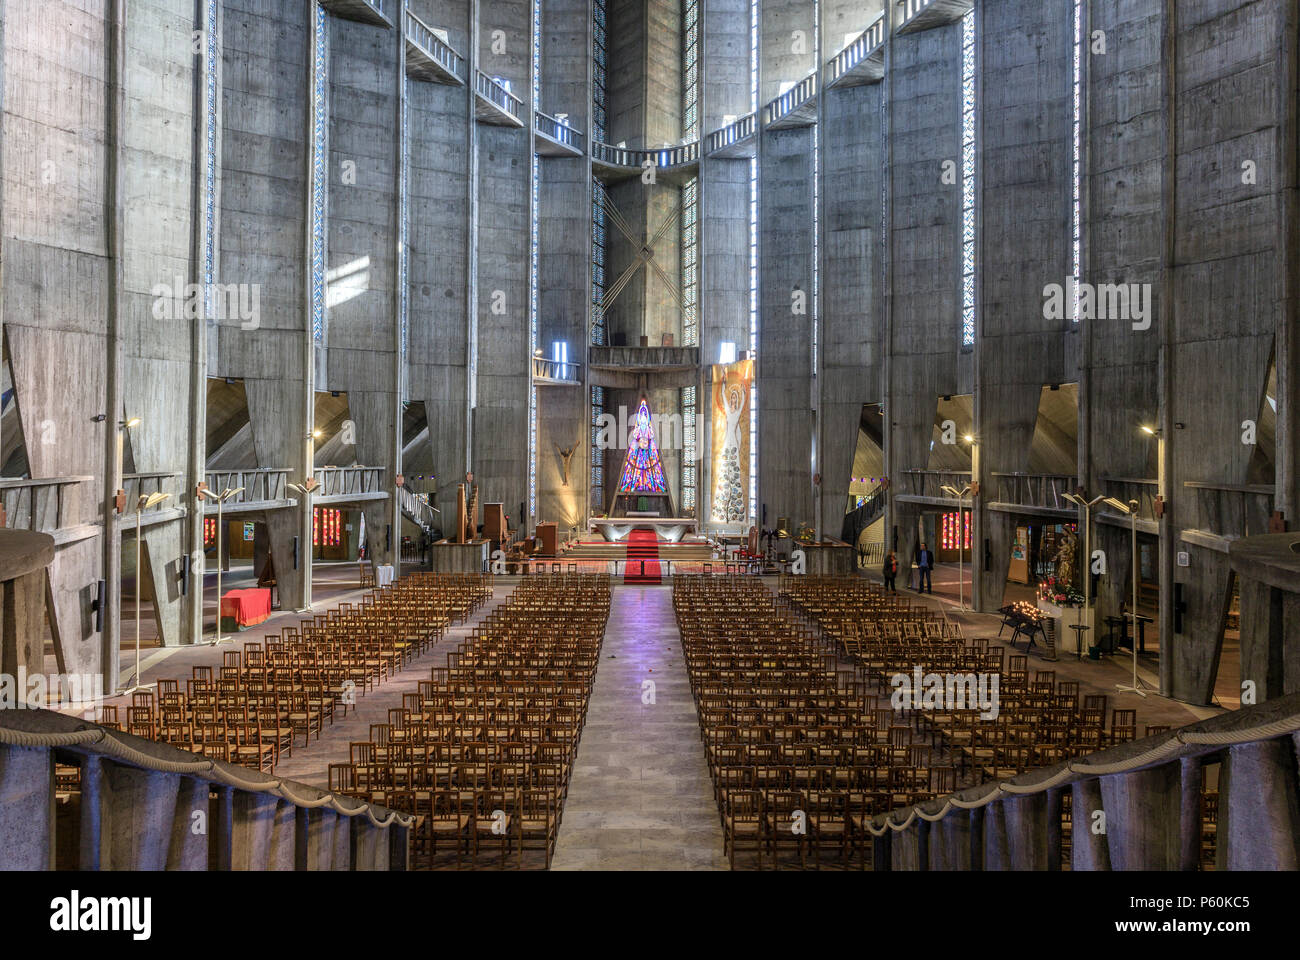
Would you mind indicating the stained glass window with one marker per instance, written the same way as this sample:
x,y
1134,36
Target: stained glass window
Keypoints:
x,y
598,71
212,52
643,471
1076,239
597,261
326,527
209,531
597,450
968,224
688,449
951,523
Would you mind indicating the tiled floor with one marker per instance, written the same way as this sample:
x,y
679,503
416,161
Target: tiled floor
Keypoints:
x,y
640,797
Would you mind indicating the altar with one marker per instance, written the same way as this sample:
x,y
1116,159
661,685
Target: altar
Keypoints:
x,y
1064,618
616,529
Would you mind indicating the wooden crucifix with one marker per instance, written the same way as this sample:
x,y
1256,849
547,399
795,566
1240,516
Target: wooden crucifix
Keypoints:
x,y
566,456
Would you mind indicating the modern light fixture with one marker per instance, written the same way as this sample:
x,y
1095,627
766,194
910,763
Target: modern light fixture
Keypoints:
x,y
220,498
1130,509
1080,627
144,503
960,496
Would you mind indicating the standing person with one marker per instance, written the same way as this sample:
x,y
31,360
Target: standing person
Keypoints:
x,y
890,572
924,567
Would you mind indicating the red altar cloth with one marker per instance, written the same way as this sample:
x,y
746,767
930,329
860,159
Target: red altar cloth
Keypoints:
x,y
247,607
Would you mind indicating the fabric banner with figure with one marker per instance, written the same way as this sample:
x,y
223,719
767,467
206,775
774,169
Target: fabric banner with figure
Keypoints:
x,y
731,410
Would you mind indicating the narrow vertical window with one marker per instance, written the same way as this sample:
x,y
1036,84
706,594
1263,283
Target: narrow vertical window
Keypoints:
x,y
688,449
1076,172
597,262
212,53
319,162
533,244
597,451
968,183
753,267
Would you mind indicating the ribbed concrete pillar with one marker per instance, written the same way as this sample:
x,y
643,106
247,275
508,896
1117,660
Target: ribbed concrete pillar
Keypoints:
x,y
1189,840
263,833
1027,830
950,838
27,813
905,849
1143,818
93,839
138,809
997,849
1088,850
324,838
369,845
1259,814
189,839
882,858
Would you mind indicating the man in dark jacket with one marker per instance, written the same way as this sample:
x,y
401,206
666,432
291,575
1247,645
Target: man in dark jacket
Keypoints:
x,y
924,567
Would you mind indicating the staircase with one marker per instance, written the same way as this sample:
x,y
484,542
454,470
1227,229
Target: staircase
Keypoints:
x,y
864,516
642,558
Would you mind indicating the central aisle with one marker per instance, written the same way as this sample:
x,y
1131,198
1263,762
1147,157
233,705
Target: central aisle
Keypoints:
x,y
640,797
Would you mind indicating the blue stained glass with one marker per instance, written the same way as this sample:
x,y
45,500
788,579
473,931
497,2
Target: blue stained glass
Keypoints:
x,y
320,181
210,161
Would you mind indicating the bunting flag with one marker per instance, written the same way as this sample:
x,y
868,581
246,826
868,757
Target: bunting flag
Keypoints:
x,y
643,471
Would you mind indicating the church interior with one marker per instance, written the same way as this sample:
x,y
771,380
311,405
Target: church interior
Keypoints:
x,y
650,435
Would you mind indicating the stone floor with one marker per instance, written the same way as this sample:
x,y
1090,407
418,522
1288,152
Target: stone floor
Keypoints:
x,y
641,797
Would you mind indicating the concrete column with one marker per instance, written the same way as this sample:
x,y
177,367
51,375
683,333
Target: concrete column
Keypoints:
x,y
905,849
997,841
950,842
1088,850
1259,810
263,832
138,812
27,814
189,835
1143,817
1028,829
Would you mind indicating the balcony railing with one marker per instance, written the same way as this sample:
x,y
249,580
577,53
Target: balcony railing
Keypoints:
x,y
499,97
43,505
344,482
260,486
1127,488
733,133
556,371
139,485
559,132
857,53
790,101
1045,490
930,483
417,507
915,15
662,158
377,12
1231,510
431,56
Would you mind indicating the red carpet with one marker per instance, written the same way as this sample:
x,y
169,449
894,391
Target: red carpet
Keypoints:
x,y
642,557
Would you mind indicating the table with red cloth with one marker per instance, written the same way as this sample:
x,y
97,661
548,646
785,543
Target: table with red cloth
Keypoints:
x,y
247,607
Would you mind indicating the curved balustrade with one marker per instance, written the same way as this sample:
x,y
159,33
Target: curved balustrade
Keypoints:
x,y
1044,491
1149,791
663,158
860,58
787,106
377,12
363,483
559,132
733,133
77,795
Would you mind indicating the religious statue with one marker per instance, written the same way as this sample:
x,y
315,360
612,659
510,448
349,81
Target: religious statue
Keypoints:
x,y
566,456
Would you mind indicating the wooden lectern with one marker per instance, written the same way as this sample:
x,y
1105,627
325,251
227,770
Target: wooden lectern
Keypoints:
x,y
548,536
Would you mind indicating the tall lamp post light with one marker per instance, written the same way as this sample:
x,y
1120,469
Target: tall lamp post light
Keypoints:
x,y
1081,628
220,498
144,503
960,496
1131,510
304,491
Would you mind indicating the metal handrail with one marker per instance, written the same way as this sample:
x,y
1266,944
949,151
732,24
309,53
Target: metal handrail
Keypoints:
x,y
864,46
792,99
422,35
492,91
733,132
559,131
664,157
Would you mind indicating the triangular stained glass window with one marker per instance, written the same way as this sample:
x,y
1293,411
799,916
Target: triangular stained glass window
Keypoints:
x,y
643,471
